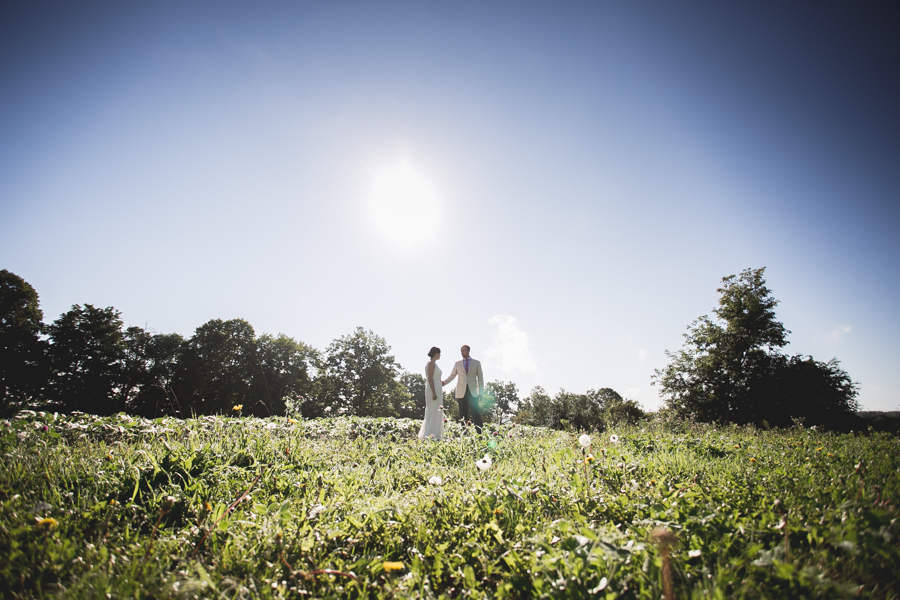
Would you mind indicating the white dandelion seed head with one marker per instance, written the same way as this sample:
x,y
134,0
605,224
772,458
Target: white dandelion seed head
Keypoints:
x,y
485,463
435,480
584,440
614,439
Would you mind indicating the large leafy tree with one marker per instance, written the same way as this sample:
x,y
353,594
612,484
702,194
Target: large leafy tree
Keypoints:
x,y
731,367
361,376
23,364
284,370
87,349
499,400
415,387
218,369
150,364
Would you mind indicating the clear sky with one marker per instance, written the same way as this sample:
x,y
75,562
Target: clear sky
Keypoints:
x,y
560,185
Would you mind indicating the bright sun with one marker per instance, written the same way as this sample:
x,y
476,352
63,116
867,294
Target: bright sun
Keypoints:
x,y
404,206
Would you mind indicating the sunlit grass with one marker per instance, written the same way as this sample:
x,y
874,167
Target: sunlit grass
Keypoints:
x,y
347,507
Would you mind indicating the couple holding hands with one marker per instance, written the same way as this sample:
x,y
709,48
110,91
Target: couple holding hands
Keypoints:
x,y
468,390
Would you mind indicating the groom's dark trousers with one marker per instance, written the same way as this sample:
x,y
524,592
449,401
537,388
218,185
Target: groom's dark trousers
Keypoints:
x,y
470,403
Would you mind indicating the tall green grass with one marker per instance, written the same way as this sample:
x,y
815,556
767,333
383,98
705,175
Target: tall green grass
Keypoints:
x,y
221,507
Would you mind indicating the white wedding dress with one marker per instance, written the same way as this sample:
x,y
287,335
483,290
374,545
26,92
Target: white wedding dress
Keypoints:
x,y
433,425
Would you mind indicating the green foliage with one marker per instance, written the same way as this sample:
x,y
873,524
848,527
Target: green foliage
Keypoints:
x,y
343,508
23,364
415,387
591,411
284,368
499,401
360,376
149,369
731,369
87,347
216,368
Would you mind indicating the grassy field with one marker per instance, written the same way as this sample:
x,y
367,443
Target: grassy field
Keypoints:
x,y
223,507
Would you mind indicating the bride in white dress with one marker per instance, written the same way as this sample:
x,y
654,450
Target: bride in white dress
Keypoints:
x,y
433,425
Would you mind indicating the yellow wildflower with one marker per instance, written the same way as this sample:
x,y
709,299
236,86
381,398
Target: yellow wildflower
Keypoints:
x,y
819,448
237,407
47,522
293,421
588,459
112,502
392,565
752,459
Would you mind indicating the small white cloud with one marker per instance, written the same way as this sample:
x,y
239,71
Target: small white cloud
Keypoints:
x,y
838,333
642,354
510,351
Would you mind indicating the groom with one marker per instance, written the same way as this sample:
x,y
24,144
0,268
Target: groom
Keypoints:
x,y
468,387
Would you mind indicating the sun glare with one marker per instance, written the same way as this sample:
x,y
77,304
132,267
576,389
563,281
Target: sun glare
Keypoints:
x,y
404,206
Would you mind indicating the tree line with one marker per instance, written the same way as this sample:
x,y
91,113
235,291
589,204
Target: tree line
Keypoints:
x,y
86,360
731,368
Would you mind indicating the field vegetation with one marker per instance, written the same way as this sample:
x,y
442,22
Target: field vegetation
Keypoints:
x,y
350,507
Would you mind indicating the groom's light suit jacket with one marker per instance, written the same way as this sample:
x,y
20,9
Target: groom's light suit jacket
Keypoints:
x,y
474,379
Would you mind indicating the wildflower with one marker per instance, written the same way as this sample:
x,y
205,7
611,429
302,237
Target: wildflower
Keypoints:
x,y
47,522
819,448
752,459
584,440
271,426
293,421
207,507
435,480
614,439
737,445
510,434
237,407
441,407
392,565
112,502
327,409
589,459
496,433
485,463
694,553
498,511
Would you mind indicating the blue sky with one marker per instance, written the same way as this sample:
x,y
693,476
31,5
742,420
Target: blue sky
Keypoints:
x,y
594,170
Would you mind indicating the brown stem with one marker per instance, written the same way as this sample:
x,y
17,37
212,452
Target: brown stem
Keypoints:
x,y
311,574
230,508
667,576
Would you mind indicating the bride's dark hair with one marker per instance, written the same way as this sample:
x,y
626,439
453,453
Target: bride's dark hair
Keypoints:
x,y
434,350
